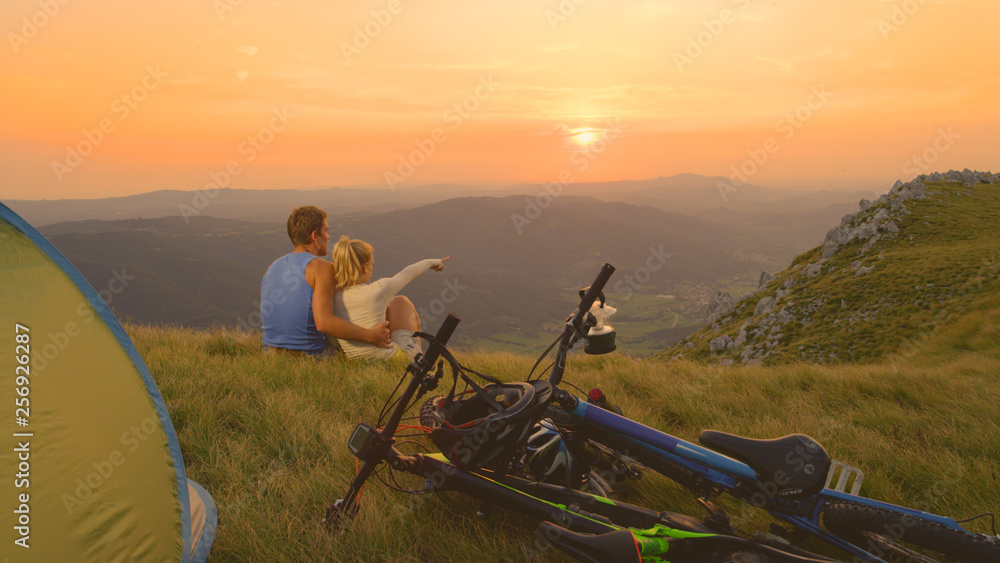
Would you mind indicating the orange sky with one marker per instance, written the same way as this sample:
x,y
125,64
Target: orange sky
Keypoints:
x,y
693,86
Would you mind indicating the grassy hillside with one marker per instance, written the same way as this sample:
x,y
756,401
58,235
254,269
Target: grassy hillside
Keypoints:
x,y
266,434
917,260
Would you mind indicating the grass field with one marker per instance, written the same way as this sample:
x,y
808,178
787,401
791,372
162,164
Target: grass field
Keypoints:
x,y
266,435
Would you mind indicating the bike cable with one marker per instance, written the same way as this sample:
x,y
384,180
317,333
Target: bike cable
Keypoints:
x,y
993,522
542,357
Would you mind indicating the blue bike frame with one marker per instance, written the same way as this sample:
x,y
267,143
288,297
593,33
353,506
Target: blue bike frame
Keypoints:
x,y
738,478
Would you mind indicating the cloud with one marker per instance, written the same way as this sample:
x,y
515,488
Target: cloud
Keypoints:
x,y
248,50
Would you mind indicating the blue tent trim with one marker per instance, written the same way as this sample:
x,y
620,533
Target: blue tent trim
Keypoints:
x,y
126,343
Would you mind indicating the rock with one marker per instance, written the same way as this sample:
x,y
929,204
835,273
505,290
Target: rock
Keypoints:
x,y
862,271
764,305
863,205
830,247
855,265
765,278
890,227
896,186
843,303
720,305
720,344
690,345
846,219
727,362
785,316
781,294
789,283
880,216
867,231
741,339
813,270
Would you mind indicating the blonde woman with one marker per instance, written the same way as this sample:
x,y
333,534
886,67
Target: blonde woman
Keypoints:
x,y
369,304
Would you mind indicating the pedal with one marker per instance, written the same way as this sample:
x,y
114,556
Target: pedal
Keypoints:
x,y
717,518
845,475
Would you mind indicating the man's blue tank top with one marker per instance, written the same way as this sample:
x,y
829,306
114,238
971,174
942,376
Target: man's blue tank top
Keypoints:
x,y
286,306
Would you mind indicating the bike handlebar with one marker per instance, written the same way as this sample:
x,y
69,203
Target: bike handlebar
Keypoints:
x,y
440,340
593,292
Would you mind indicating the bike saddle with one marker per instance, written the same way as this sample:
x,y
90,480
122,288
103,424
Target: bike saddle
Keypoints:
x,y
793,466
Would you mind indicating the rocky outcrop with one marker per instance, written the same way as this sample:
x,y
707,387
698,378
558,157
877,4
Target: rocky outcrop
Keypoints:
x,y
786,307
720,344
720,305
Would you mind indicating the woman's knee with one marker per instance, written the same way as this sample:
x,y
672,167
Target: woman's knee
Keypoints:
x,y
402,314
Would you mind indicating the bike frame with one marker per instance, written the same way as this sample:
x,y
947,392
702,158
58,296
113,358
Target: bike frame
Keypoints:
x,y
733,476
652,533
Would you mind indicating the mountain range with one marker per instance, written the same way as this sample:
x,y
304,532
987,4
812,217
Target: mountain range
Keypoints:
x,y
516,259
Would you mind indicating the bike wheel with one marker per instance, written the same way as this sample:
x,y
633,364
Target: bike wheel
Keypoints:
x,y
427,409
886,533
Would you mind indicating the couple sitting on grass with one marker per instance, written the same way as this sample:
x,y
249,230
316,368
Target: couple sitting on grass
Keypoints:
x,y
304,299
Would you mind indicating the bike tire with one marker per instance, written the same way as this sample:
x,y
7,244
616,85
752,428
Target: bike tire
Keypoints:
x,y
427,413
850,520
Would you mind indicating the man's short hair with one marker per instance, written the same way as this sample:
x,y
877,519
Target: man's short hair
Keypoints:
x,y
303,222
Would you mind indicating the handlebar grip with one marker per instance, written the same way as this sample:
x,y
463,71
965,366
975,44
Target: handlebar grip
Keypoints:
x,y
444,333
447,328
595,289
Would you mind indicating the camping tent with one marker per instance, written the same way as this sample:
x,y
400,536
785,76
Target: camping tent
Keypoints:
x,y
90,466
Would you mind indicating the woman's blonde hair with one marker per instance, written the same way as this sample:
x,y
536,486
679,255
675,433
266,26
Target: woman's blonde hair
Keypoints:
x,y
349,259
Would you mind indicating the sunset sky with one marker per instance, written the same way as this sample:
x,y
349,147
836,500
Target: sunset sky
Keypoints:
x,y
311,93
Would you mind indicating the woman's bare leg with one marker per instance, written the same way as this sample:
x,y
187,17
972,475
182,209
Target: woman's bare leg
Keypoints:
x,y
401,314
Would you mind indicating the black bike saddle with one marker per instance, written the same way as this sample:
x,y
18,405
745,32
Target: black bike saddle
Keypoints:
x,y
793,466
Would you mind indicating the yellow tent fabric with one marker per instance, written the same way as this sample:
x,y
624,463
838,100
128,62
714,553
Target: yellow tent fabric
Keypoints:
x,y
90,468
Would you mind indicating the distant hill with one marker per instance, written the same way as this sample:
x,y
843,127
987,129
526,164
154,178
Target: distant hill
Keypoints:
x,y
885,280
682,193
502,281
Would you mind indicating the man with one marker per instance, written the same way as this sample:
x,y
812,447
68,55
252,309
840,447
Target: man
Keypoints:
x,y
296,293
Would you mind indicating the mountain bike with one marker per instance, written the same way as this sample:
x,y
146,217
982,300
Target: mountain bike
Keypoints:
x,y
789,477
485,431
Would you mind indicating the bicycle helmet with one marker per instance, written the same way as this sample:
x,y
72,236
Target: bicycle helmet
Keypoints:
x,y
549,460
474,433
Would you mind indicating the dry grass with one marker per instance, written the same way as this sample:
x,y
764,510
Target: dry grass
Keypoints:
x,y
266,435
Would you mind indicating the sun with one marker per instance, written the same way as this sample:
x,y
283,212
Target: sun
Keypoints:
x,y
585,137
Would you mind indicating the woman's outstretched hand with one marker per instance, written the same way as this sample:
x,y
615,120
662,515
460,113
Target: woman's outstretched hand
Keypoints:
x,y
441,267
